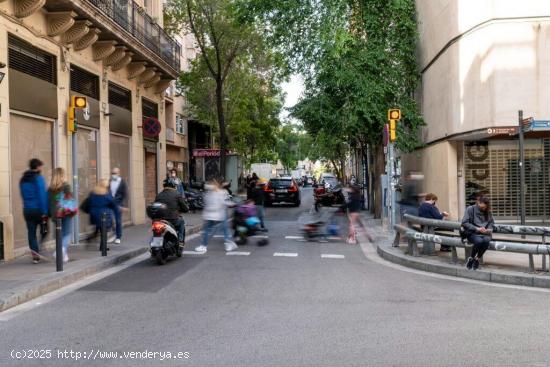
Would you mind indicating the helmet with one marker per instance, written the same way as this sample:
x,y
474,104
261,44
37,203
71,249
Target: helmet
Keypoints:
x,y
170,182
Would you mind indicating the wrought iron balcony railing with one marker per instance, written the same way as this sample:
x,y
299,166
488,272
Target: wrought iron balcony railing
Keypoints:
x,y
139,24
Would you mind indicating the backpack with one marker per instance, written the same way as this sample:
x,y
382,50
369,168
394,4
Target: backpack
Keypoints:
x,y
464,232
65,205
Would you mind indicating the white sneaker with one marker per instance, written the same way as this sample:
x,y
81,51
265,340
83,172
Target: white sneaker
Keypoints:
x,y
117,241
230,246
202,249
65,258
111,239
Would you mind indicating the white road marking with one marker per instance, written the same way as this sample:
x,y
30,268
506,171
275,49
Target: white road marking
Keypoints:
x,y
286,254
332,256
237,253
294,237
255,236
193,253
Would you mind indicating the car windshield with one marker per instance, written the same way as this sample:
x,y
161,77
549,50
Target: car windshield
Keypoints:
x,y
280,183
331,181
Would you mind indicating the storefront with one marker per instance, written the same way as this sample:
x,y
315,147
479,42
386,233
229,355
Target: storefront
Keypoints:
x,y
120,126
32,120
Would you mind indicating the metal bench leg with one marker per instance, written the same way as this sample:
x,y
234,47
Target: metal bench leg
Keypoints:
x,y
544,263
397,239
454,255
428,248
413,248
531,263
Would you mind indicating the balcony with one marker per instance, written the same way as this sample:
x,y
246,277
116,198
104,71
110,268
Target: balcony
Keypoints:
x,y
134,20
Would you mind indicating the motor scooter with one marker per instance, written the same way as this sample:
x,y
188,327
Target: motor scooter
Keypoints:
x,y
165,241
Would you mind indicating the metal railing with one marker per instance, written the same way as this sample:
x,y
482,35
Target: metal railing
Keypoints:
x,y
431,234
134,19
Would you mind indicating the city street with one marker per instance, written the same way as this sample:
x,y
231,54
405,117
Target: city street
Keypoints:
x,y
315,304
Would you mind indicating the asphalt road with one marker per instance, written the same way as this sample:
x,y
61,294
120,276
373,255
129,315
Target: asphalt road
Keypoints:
x,y
266,310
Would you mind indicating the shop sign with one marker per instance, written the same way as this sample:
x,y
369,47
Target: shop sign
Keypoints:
x,y
540,125
208,152
502,131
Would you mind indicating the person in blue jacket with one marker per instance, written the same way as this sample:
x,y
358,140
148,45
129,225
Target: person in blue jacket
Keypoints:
x,y
428,210
99,202
35,203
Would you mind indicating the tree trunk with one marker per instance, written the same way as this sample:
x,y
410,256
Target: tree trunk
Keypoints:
x,y
221,125
377,170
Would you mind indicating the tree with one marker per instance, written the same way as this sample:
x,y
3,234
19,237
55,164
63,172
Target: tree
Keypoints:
x,y
222,43
359,59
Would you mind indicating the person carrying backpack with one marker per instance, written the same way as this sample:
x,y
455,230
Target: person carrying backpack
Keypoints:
x,y
35,204
477,227
62,206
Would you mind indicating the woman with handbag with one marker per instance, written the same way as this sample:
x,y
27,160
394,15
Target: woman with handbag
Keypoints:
x,y
62,206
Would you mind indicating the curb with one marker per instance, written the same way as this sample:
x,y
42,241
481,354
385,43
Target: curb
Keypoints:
x,y
55,281
384,249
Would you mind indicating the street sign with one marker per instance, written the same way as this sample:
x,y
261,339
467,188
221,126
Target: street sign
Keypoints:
x,y
539,125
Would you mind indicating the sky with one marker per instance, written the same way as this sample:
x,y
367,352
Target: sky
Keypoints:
x,y
293,90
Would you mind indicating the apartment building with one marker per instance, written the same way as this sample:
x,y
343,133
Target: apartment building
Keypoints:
x,y
117,55
481,62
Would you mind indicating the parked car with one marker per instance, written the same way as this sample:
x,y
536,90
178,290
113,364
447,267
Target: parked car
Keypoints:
x,y
282,190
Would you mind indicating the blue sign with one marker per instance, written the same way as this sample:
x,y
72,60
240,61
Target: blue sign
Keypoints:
x,y
540,125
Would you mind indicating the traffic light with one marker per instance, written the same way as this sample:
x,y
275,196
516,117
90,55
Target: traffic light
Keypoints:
x,y
394,114
76,102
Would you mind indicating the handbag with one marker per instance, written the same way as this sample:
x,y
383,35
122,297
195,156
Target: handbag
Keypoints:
x,y
66,205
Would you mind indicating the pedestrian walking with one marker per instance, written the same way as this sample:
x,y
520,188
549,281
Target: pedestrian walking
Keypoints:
x,y
428,209
35,204
354,208
62,206
177,181
119,191
258,195
216,202
99,202
477,227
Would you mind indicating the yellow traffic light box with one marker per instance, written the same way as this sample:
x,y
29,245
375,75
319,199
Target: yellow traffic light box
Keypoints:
x,y
76,102
394,114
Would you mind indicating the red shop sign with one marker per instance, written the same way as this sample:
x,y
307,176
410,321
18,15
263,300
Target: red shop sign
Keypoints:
x,y
151,127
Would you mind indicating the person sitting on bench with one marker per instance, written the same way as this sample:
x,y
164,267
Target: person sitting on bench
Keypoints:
x,y
428,210
478,226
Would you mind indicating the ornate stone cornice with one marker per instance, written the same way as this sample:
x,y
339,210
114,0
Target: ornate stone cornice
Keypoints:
x,y
116,56
77,31
162,85
88,39
24,8
135,69
60,22
103,49
153,81
147,75
126,59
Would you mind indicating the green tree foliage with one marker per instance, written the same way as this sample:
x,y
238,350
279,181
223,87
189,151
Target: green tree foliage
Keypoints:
x,y
223,46
359,60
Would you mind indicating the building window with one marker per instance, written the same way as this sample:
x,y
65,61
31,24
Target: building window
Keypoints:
x,y
180,124
120,97
84,82
24,57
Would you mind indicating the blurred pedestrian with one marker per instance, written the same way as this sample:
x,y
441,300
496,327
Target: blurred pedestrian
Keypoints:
x,y
428,209
216,202
62,206
478,224
119,192
354,209
258,196
178,182
35,204
100,202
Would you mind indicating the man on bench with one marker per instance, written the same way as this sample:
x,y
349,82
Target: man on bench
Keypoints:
x,y
477,226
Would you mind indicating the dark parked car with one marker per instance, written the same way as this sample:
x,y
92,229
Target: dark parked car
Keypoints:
x,y
282,190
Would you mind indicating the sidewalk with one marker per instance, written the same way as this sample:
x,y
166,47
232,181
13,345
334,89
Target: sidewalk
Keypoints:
x,y
21,280
498,267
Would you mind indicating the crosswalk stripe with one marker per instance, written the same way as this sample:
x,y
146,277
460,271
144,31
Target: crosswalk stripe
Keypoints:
x,y
255,236
293,237
237,253
332,256
286,254
192,253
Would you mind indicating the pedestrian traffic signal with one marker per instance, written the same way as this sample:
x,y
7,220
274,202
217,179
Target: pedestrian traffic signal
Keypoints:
x,y
71,123
394,114
78,102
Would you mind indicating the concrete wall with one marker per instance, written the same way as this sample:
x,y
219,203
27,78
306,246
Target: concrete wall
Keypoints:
x,y
500,63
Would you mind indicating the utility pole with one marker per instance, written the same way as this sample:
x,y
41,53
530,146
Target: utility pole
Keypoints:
x,y
521,169
393,116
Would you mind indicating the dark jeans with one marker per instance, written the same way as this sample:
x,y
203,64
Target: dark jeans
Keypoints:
x,y
481,244
33,217
179,224
118,224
